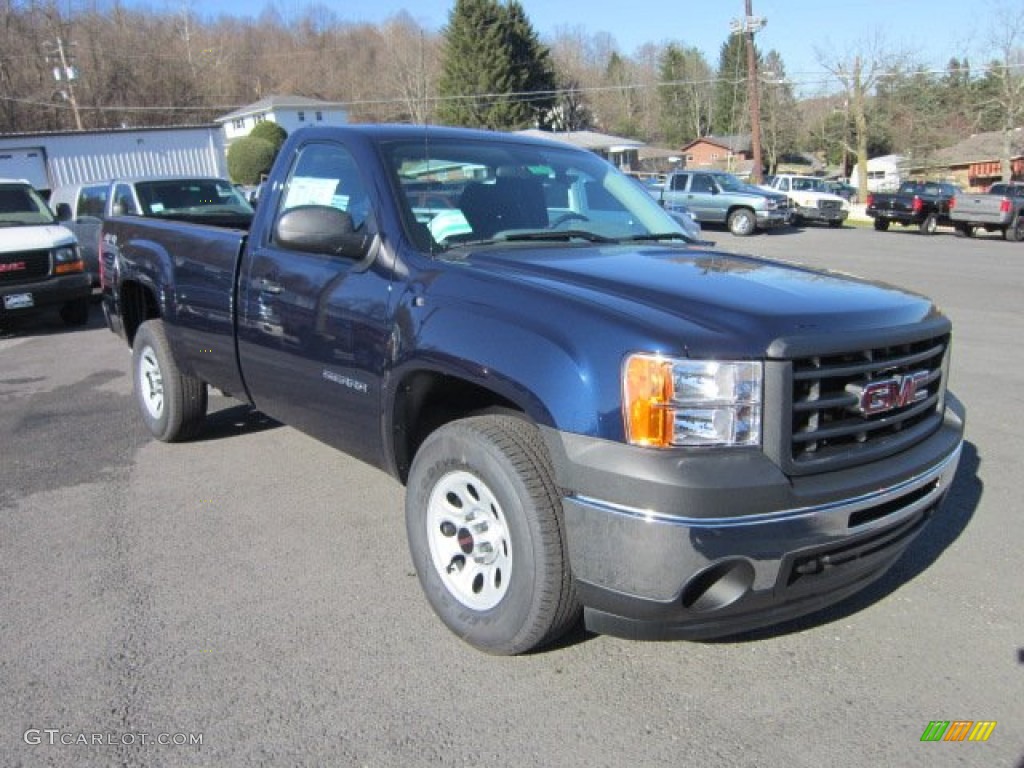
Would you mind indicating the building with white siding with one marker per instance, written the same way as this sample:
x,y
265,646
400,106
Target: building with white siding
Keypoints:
x,y
51,160
290,112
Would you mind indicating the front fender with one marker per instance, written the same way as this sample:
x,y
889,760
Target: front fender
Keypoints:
x,y
537,365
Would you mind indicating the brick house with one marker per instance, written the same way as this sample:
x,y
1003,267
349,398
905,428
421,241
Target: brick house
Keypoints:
x,y
730,153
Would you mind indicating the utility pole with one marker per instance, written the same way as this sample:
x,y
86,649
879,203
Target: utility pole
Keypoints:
x,y
747,27
64,71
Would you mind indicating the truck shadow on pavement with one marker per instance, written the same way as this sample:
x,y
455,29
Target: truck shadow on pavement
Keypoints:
x,y
944,529
233,420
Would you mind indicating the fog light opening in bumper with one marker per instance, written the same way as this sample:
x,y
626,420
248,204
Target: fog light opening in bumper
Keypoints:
x,y
718,586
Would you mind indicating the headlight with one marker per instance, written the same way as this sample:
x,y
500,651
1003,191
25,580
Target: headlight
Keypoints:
x,y
66,259
672,402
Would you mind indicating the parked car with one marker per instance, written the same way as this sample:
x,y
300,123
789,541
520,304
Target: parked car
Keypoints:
x,y
924,204
80,208
717,197
809,200
40,263
1001,209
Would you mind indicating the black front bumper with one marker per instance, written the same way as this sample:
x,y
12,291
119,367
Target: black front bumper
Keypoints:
x,y
53,291
716,544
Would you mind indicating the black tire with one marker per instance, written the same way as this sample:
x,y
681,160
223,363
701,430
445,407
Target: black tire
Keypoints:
x,y
75,313
881,224
1015,232
517,592
742,222
835,223
173,405
930,225
963,230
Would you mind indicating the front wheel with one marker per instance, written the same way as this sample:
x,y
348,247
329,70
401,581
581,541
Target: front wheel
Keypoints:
x,y
486,535
881,225
173,405
742,222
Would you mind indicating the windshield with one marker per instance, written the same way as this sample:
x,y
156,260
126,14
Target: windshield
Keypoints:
x,y
20,205
809,185
195,197
459,192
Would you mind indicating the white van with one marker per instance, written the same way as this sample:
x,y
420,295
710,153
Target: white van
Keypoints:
x,y
40,263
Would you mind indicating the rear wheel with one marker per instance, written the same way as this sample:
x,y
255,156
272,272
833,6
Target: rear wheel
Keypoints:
x,y
1015,232
173,405
486,534
742,222
835,223
930,224
881,224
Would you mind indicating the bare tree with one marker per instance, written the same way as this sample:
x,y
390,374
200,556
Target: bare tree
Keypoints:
x,y
1007,74
858,71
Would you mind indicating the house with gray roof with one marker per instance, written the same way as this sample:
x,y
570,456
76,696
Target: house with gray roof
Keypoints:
x,y
975,161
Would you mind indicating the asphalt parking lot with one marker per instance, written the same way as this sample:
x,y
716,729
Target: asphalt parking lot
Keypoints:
x,y
252,590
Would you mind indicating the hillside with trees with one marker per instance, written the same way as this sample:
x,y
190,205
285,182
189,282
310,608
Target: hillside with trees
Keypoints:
x,y
487,67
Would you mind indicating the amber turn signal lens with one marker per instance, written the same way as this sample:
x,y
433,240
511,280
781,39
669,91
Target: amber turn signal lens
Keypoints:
x,y
648,392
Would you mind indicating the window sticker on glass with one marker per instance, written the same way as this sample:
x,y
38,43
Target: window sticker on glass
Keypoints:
x,y
306,190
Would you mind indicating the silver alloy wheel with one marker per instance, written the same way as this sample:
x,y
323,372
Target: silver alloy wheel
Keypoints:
x,y
469,542
151,383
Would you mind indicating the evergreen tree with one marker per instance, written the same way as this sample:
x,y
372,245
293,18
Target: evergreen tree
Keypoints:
x,y
685,93
731,112
495,72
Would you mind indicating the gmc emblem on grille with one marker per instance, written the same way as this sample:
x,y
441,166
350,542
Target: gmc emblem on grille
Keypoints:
x,y
880,396
14,266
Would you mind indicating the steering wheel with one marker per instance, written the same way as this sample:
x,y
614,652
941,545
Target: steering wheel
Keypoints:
x,y
566,217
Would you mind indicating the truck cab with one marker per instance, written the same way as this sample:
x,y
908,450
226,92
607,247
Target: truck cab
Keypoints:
x,y
40,262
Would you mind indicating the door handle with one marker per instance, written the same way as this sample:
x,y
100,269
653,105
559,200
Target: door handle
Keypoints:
x,y
269,286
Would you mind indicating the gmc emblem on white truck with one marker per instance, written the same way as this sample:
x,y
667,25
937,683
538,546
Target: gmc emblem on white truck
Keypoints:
x,y
887,394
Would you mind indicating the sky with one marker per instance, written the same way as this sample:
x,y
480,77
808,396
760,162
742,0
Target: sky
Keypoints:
x,y
802,31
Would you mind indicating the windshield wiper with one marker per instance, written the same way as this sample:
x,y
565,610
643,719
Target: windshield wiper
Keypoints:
x,y
657,236
558,236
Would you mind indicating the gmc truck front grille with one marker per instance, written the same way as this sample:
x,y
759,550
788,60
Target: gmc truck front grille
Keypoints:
x,y
24,266
858,406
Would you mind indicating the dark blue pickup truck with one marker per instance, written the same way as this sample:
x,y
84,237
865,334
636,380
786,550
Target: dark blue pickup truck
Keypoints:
x,y
590,414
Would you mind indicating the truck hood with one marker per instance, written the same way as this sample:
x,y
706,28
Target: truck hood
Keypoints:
x,y
35,237
715,301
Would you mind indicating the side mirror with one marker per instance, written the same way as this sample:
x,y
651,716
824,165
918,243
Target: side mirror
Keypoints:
x,y
320,229
63,212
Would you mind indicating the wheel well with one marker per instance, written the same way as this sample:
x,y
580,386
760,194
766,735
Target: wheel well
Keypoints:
x,y
735,208
428,400
138,304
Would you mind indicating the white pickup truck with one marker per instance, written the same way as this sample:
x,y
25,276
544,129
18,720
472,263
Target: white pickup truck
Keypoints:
x,y
809,199
40,263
